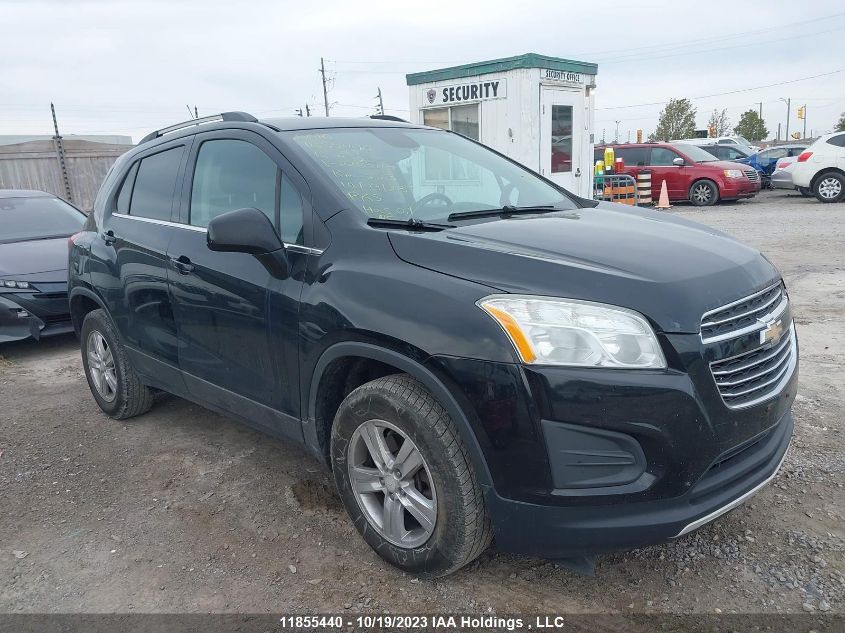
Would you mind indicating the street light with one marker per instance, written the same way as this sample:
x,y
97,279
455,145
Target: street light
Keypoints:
x,y
788,103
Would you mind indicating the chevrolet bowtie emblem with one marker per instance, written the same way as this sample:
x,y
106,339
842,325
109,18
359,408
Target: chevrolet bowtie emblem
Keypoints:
x,y
772,333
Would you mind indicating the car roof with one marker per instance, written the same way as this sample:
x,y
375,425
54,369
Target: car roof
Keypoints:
x,y
285,124
24,193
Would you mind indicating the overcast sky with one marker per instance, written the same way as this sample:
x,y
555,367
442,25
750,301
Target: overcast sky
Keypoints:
x,y
127,67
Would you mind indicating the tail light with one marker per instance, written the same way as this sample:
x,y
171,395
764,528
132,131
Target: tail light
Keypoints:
x,y
804,157
70,240
781,164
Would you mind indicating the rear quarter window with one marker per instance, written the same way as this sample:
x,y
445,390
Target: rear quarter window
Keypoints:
x,y
838,140
155,184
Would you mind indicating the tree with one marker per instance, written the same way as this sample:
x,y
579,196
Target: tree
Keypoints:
x,y
751,126
720,122
840,126
677,120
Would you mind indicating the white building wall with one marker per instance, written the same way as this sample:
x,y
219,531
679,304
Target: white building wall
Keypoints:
x,y
512,125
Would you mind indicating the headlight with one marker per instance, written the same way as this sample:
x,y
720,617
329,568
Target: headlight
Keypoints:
x,y
734,173
551,331
14,284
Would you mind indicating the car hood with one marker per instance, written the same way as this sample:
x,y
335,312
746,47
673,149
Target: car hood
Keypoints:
x,y
34,257
725,164
667,268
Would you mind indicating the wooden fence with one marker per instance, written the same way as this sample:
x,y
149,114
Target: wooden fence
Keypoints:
x,y
35,165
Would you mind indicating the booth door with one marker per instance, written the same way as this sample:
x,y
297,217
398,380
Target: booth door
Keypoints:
x,y
561,135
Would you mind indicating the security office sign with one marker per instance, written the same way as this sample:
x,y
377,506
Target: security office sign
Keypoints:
x,y
472,91
547,74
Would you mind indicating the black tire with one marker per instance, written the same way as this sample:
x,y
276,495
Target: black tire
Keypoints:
x,y
461,531
703,193
131,396
804,192
829,187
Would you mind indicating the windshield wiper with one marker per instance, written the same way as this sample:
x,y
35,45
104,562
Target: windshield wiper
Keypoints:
x,y
505,211
411,224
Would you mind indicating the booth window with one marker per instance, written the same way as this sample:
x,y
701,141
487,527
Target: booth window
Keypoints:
x,y
462,119
561,138
439,166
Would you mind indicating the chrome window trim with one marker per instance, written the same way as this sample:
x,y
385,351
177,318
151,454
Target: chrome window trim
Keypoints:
x,y
178,225
293,248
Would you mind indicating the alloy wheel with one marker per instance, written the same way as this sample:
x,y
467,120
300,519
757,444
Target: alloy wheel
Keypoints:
x,y
101,366
392,483
702,193
830,188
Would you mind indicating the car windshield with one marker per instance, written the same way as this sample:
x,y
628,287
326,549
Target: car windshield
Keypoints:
x,y
742,140
694,152
406,173
23,219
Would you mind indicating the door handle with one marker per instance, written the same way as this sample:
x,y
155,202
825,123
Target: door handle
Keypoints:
x,y
182,264
109,237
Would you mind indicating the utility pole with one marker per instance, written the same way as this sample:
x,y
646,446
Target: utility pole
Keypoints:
x,y
325,90
307,110
760,103
804,113
380,108
60,155
298,112
788,103
616,138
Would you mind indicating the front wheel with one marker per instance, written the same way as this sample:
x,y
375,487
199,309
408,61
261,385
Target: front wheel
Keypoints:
x,y
405,478
829,187
703,193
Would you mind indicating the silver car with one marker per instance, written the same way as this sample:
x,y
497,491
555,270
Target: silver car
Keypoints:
x,y
782,175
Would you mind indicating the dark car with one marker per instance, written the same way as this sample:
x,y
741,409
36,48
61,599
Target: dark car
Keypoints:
x,y
765,160
690,173
725,152
474,356
34,230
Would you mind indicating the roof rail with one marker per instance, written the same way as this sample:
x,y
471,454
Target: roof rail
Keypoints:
x,y
387,117
224,116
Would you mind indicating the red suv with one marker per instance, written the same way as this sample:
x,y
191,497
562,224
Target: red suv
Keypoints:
x,y
690,172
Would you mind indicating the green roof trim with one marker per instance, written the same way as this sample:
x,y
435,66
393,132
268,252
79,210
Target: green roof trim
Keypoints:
x,y
529,60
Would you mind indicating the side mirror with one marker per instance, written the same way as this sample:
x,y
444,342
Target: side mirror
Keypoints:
x,y
249,231
678,162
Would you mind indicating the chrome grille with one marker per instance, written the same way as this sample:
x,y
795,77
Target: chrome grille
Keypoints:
x,y
743,316
752,377
752,175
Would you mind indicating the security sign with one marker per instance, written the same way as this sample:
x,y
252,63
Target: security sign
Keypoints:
x,y
473,91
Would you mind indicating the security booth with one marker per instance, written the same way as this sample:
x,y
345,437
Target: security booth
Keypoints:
x,y
535,109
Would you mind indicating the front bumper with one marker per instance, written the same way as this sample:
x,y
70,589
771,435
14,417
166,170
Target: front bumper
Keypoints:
x,y
33,315
739,188
560,532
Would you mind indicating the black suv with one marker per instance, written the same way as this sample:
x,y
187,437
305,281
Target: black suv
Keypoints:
x,y
474,352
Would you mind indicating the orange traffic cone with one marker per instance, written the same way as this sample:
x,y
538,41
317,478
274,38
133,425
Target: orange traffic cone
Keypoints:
x,y
663,202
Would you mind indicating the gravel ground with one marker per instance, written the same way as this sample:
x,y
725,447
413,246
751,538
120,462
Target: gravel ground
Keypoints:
x,y
182,510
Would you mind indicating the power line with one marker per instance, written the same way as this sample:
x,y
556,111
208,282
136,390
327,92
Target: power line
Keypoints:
x,y
729,92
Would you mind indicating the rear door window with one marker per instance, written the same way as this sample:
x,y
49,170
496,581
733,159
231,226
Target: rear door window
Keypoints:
x,y
155,183
662,157
633,156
